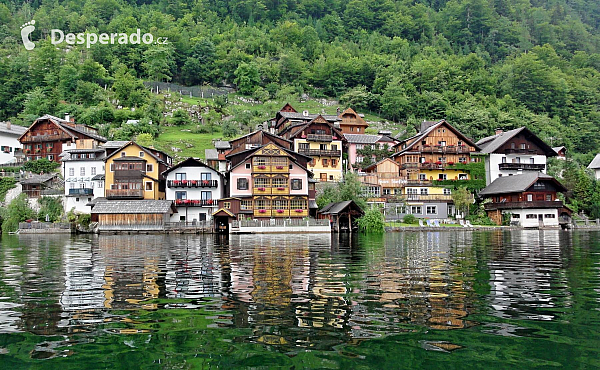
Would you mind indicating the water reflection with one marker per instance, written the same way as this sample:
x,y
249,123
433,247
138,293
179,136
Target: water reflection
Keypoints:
x,y
290,291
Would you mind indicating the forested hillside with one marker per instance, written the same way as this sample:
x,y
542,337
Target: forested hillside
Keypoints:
x,y
481,64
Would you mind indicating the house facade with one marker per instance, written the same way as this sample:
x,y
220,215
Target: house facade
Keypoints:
x,y
195,188
49,136
513,153
530,199
83,171
134,172
268,182
595,166
9,141
357,142
352,122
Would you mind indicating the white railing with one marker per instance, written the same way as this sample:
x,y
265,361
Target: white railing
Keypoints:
x,y
276,222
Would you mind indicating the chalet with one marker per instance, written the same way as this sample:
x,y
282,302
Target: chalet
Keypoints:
x,y
253,140
514,152
9,141
352,122
561,152
530,199
384,174
83,171
288,116
319,139
132,215
341,215
595,166
44,184
136,172
49,136
268,182
195,188
359,142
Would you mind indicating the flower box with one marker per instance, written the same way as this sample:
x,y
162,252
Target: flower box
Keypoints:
x,y
209,201
187,201
298,210
280,211
178,201
176,182
260,189
204,182
438,163
426,162
194,182
281,188
195,201
262,211
450,163
261,167
184,182
279,167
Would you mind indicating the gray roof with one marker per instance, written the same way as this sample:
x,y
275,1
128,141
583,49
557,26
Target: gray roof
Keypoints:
x,y
514,184
38,179
98,177
14,129
595,162
114,144
94,201
220,144
309,117
66,155
558,148
133,206
312,204
492,143
362,138
211,154
336,208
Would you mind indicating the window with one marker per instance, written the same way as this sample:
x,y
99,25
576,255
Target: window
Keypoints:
x,y
522,146
206,176
549,216
549,197
330,177
279,182
333,163
242,184
442,176
512,145
516,216
304,146
325,163
122,154
81,171
149,185
206,195
387,191
296,184
441,143
358,129
72,171
297,204
424,191
291,167
280,204
539,185
529,197
416,210
323,146
431,210
260,161
261,182
333,147
503,159
180,176
530,216
422,177
227,205
100,184
181,195
462,176
518,160
447,191
531,160
50,157
247,166
141,154
72,185
149,168
93,170
246,205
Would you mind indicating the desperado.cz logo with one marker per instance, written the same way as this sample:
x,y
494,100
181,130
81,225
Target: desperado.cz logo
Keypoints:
x,y
90,38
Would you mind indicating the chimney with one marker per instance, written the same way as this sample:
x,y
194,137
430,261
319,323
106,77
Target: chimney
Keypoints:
x,y
8,125
67,117
499,131
305,113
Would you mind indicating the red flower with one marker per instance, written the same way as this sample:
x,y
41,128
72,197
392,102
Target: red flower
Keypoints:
x,y
279,167
280,188
209,201
194,182
261,189
280,211
262,211
438,162
450,163
187,201
195,201
298,210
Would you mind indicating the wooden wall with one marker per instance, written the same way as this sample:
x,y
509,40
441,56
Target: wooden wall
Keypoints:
x,y
131,220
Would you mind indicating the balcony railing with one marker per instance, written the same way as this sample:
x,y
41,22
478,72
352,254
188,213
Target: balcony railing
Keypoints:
x,y
196,202
522,166
524,204
445,149
192,183
429,197
317,137
81,191
124,194
519,151
320,153
41,138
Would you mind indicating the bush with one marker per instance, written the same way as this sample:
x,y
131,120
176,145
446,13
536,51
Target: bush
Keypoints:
x,y
410,219
17,211
52,207
40,165
6,183
372,221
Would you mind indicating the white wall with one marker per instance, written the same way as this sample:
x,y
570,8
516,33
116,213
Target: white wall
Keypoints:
x,y
492,170
11,142
71,171
597,173
534,222
193,212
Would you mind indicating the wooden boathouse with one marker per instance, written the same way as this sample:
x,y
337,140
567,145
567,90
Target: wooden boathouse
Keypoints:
x,y
133,215
342,215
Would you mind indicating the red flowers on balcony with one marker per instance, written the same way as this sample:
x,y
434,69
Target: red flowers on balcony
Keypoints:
x,y
260,189
281,188
438,163
209,201
179,201
262,211
450,163
195,201
280,211
262,167
176,182
279,167
184,182
204,182
194,182
298,210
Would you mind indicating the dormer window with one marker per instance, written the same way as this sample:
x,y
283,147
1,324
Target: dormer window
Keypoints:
x,y
122,154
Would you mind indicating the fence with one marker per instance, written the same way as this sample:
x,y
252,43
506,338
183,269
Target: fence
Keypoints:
x,y
274,222
188,225
196,91
44,226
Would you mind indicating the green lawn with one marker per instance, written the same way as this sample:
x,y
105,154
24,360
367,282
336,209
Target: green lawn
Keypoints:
x,y
191,145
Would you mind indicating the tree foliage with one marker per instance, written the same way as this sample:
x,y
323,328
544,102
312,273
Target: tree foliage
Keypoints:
x,y
372,221
39,166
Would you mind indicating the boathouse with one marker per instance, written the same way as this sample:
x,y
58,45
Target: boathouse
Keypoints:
x,y
342,215
132,215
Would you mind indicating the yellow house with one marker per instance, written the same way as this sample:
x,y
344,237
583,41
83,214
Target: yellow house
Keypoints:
x,y
135,172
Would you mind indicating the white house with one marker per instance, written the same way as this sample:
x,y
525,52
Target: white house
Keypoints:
x,y
9,141
513,153
595,166
195,188
83,171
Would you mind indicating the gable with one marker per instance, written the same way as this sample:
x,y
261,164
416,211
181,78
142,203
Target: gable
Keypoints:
x,y
288,108
271,150
43,127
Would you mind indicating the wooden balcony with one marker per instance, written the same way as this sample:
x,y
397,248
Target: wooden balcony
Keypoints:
x,y
429,197
192,183
280,213
196,202
523,205
124,194
280,190
262,169
280,168
451,149
261,190
320,153
521,166
520,151
43,138
81,191
316,137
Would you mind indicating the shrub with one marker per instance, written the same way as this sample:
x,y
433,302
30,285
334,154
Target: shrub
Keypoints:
x,y
372,221
17,211
410,219
40,165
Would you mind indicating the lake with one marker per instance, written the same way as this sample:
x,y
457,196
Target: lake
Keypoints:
x,y
451,299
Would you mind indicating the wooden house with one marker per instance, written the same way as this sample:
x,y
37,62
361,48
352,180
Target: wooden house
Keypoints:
x,y
342,215
288,116
132,215
49,136
352,122
44,184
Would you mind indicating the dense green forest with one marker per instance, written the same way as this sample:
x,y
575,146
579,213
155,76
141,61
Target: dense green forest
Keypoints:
x,y
481,64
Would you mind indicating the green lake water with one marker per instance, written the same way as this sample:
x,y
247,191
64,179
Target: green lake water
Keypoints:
x,y
455,299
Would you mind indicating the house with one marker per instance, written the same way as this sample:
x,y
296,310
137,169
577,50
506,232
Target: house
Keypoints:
x,y
595,166
352,122
530,199
83,171
135,172
385,175
358,143
268,182
195,188
41,185
49,136
288,116
256,139
319,139
514,152
561,152
9,141
132,215
341,215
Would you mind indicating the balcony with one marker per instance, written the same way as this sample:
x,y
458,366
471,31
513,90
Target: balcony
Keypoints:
x,y
317,137
432,166
408,166
192,183
445,149
429,197
81,191
195,203
128,174
523,205
522,166
261,169
413,182
280,213
320,153
124,194
520,151
280,190
261,190
42,138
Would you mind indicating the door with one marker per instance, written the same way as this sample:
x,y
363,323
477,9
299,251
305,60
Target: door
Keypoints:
x,y
541,220
323,177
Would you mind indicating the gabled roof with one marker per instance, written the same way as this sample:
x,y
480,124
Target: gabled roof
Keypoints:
x,y
68,127
114,144
374,165
296,129
223,210
558,148
518,183
426,128
337,207
309,116
595,162
221,144
289,153
211,154
492,143
39,179
359,119
134,206
362,138
13,130
146,150
191,162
